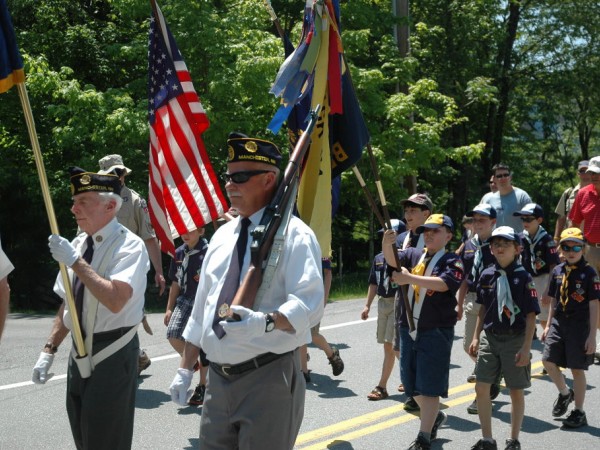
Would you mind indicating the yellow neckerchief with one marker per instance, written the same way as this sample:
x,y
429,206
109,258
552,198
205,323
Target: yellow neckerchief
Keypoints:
x,y
564,287
419,269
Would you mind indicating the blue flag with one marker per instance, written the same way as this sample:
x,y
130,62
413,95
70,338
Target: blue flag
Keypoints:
x,y
11,63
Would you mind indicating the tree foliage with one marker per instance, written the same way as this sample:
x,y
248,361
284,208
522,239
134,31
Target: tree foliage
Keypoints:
x,y
536,86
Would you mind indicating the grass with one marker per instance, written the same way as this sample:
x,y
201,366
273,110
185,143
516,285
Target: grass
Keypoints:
x,y
349,286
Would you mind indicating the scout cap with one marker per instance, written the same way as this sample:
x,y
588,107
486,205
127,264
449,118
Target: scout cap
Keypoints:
x,y
436,221
243,148
572,234
530,209
484,209
397,225
418,200
82,181
507,233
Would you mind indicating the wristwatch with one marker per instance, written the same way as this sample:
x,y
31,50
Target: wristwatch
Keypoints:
x,y
270,324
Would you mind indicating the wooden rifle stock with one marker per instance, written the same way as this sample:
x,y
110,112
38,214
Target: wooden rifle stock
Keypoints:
x,y
264,234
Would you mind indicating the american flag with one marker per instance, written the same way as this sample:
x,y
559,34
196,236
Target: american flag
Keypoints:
x,y
184,193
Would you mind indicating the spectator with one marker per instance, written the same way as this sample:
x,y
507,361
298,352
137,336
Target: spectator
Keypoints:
x,y
508,199
568,198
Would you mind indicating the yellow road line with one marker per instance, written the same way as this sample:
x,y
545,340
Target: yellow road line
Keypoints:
x,y
361,423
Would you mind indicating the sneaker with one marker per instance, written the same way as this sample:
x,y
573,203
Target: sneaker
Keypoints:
x,y
411,405
472,408
512,444
337,365
143,362
575,420
471,378
197,397
494,391
440,420
306,376
484,445
562,403
420,444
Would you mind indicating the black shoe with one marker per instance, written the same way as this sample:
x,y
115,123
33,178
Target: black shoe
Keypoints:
x,y
197,398
420,444
411,405
494,391
143,362
512,444
306,376
337,365
484,445
439,421
562,403
575,420
472,408
471,378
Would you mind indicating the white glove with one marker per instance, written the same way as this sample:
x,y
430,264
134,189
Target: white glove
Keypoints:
x,y
180,392
62,250
251,325
41,368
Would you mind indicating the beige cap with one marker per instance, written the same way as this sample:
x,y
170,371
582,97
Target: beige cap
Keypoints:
x,y
112,162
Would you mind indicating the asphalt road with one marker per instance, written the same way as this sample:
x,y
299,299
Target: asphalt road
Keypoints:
x,y
337,415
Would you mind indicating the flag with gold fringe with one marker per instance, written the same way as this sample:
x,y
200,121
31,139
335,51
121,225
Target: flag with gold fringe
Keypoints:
x,y
11,63
316,73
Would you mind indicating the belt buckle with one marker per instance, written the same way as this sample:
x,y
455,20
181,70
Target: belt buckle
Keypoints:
x,y
225,368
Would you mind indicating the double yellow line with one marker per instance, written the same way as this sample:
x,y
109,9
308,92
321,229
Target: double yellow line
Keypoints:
x,y
375,422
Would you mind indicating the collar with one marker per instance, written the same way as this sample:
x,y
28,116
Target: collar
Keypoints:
x,y
508,269
102,235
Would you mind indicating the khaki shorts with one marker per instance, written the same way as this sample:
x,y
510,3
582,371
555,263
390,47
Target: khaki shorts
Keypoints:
x,y
470,313
541,284
497,356
386,320
592,256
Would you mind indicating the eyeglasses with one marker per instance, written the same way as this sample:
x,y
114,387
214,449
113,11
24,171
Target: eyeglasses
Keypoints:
x,y
527,219
243,176
502,175
575,248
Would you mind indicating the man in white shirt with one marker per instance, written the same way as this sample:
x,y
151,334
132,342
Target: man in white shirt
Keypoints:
x,y
107,265
6,267
255,394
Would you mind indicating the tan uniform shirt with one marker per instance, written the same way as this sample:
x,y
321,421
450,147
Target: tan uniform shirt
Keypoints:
x,y
134,214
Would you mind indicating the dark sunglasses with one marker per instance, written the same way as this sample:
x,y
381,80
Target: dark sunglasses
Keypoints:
x,y
243,176
575,248
502,175
582,171
527,219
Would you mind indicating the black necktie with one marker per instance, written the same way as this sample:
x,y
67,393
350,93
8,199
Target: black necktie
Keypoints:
x,y
232,279
78,286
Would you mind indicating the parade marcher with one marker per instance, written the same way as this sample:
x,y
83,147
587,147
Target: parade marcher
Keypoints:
x,y
476,257
509,305
568,198
331,352
134,215
6,268
570,336
585,214
380,286
108,265
508,199
417,208
255,394
434,276
539,255
184,273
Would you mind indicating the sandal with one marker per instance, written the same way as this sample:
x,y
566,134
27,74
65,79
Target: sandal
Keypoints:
x,y
378,393
401,388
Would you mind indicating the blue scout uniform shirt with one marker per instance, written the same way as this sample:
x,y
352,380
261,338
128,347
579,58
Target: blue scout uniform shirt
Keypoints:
x,y
188,277
468,258
379,276
523,294
439,308
544,254
583,285
414,239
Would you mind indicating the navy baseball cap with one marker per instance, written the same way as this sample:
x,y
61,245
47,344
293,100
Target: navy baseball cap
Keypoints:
x,y
436,221
530,209
507,233
484,209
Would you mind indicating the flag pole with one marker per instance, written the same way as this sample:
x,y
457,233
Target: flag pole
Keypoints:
x,y
39,162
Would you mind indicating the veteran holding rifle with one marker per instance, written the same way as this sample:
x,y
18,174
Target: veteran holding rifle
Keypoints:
x,y
255,394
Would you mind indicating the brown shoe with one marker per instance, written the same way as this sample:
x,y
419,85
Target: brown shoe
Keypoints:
x,y
143,362
337,365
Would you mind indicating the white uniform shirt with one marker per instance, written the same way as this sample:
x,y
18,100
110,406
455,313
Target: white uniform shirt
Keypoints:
x,y
6,266
129,264
296,291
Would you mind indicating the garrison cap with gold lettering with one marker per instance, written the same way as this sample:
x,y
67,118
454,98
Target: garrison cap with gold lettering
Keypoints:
x,y
243,148
572,234
83,181
436,221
